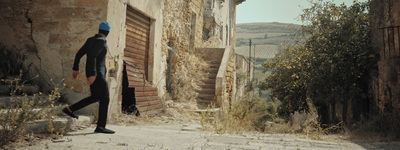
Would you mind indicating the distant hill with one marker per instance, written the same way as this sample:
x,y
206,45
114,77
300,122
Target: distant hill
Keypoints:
x,y
262,51
273,33
267,38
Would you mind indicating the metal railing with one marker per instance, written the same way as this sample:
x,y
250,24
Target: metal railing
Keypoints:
x,y
391,45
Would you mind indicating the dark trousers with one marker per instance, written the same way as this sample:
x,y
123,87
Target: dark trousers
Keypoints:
x,y
99,93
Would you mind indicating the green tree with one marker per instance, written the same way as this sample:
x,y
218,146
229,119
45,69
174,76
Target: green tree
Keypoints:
x,y
330,65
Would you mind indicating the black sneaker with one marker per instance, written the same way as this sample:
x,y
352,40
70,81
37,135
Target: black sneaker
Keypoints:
x,y
104,130
69,113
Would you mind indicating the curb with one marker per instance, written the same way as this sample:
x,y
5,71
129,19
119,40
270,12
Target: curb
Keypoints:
x,y
60,124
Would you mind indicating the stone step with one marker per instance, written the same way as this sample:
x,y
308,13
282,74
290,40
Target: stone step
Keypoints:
x,y
212,76
204,97
61,123
214,65
213,68
205,85
214,62
148,93
206,91
205,101
213,111
5,101
204,104
5,90
212,71
4,111
209,81
147,98
26,89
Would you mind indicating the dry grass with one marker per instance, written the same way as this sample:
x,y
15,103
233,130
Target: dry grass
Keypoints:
x,y
174,113
248,114
253,113
189,72
21,111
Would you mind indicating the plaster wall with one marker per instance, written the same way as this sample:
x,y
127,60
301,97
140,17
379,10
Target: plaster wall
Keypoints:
x,y
49,33
116,15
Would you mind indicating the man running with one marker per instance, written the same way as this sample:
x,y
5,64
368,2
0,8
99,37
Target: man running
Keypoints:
x,y
95,49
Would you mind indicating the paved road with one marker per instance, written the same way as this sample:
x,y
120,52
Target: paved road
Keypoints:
x,y
181,136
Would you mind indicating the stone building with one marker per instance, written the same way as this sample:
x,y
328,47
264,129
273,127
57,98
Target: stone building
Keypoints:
x,y
385,31
50,32
245,74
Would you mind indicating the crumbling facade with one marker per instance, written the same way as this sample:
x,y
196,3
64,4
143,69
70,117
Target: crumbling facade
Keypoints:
x,y
50,32
385,29
244,75
196,27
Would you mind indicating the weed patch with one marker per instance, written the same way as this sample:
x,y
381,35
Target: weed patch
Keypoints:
x,y
24,109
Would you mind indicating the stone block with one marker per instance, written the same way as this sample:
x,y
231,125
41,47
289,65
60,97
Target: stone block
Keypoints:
x,y
82,121
42,125
91,2
48,2
78,87
59,38
44,26
70,13
98,13
82,27
39,14
65,52
64,25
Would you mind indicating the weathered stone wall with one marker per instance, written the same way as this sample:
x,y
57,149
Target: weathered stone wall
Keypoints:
x,y
219,18
216,15
187,23
49,33
240,78
242,66
386,13
230,78
116,16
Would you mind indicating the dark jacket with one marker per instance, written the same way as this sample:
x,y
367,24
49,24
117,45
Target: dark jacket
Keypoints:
x,y
95,49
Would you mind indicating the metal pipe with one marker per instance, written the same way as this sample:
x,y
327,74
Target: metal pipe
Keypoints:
x,y
384,43
394,43
388,38
398,38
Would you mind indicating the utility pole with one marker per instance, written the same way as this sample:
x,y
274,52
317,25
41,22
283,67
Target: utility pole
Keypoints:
x,y
254,58
249,61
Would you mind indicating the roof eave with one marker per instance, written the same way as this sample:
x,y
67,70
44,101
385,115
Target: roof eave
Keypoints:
x,y
238,2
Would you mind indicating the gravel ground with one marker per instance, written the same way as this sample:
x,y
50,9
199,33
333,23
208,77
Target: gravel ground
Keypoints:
x,y
190,136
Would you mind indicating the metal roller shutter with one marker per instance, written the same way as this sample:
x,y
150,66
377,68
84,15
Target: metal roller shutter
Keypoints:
x,y
136,54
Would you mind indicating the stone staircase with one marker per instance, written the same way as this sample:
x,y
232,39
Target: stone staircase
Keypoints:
x,y
40,125
207,93
217,89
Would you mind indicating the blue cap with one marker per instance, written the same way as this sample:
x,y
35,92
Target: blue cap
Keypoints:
x,y
104,26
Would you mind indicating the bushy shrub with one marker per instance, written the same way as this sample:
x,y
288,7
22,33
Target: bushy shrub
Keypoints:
x,y
331,65
250,113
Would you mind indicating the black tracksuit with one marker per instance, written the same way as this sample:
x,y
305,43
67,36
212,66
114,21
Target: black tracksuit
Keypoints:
x,y
95,49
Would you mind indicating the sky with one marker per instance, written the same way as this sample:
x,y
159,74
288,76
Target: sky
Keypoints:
x,y
284,11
